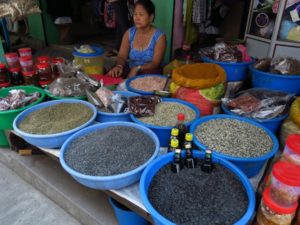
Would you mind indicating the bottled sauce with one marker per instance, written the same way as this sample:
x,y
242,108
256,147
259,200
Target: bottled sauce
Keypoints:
x,y
207,165
16,77
271,213
189,159
182,129
31,78
44,73
55,63
177,164
25,52
3,74
43,59
26,63
12,60
173,145
174,135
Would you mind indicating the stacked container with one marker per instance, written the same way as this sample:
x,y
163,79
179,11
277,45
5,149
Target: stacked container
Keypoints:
x,y
291,151
272,213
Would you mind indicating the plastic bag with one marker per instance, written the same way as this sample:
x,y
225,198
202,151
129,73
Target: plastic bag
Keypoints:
x,y
171,66
288,127
286,66
295,111
94,99
259,104
143,105
263,64
105,95
199,75
17,99
67,87
18,9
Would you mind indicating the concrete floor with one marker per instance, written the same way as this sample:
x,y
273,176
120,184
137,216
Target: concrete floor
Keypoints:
x,y
22,204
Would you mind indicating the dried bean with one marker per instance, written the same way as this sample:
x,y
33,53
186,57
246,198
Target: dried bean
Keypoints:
x,y
110,151
56,118
149,83
234,137
193,197
166,114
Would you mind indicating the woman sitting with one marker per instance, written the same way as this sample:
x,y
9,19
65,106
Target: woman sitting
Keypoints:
x,y
143,44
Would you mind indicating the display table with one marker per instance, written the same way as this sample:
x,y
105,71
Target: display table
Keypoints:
x,y
130,197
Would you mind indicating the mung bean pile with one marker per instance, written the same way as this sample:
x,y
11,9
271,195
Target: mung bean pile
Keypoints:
x,y
56,118
166,114
193,197
110,151
234,137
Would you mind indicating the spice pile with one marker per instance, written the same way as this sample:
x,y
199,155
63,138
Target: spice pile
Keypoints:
x,y
193,197
56,118
234,137
17,99
149,83
166,114
110,151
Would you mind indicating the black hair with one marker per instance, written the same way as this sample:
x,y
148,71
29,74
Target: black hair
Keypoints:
x,y
147,5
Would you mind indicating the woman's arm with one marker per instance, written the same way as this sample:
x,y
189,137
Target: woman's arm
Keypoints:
x,y
122,56
159,51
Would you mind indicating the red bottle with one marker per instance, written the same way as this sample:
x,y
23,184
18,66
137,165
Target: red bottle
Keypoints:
x,y
182,129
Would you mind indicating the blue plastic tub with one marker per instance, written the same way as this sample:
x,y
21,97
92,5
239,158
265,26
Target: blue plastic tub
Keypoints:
x,y
125,216
160,162
286,83
129,88
250,166
109,117
51,140
272,124
107,182
163,133
234,71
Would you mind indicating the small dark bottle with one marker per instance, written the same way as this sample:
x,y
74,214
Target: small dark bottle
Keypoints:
x,y
16,77
174,135
207,165
182,129
177,164
173,145
189,159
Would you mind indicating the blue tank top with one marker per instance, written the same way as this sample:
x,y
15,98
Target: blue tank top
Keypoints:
x,y
141,57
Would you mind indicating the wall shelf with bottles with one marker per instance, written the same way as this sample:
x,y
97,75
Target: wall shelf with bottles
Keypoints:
x,y
273,28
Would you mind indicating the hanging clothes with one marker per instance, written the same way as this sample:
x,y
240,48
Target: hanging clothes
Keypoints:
x,y
191,32
199,14
178,30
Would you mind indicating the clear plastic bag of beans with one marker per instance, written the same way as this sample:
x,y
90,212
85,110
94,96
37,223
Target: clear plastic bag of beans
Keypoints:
x,y
259,104
143,105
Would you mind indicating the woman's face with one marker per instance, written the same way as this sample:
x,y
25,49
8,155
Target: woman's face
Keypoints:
x,y
141,17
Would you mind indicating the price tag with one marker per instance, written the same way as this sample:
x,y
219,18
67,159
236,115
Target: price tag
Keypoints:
x,y
295,15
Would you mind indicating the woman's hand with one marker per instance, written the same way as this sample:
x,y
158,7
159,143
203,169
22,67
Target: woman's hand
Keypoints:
x,y
116,71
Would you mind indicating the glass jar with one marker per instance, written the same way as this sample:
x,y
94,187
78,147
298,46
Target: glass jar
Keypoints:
x,y
291,152
31,78
43,59
55,63
285,183
3,74
12,60
25,52
44,72
26,63
271,213
16,77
